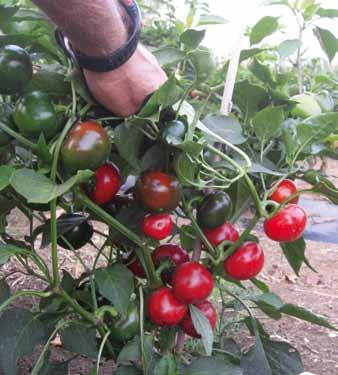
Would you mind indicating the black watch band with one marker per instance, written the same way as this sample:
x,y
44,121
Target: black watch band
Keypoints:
x,y
117,58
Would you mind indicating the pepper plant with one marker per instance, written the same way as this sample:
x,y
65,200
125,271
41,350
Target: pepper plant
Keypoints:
x,y
164,192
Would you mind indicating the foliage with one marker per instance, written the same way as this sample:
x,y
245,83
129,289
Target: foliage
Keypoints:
x,y
244,155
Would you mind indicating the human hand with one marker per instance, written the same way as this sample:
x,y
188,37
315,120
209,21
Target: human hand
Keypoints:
x,y
124,90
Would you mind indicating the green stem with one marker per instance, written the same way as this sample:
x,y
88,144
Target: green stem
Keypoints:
x,y
150,269
247,308
77,307
255,195
53,226
233,248
24,293
142,328
103,343
20,138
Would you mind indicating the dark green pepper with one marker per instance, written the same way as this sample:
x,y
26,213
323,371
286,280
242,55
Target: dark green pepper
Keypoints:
x,y
16,69
214,210
78,235
126,327
173,132
35,114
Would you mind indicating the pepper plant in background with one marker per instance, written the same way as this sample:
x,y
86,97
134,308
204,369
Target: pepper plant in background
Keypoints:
x,y
164,192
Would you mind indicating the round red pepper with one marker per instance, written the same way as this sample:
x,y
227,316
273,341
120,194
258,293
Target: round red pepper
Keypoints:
x,y
164,309
192,283
107,184
158,191
172,252
158,226
284,190
287,225
225,232
208,310
246,262
135,266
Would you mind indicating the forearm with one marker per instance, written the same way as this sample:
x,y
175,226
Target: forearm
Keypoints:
x,y
95,28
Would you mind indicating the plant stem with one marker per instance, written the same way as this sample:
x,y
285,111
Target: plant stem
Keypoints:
x,y
233,248
53,226
20,138
150,269
142,327
24,293
103,343
255,195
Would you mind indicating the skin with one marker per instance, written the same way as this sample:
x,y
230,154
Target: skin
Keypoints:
x,y
124,90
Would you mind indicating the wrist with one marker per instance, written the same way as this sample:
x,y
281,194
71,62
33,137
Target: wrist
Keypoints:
x,y
111,33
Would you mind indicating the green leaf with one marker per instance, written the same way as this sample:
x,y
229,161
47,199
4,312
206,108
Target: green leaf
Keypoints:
x,y
7,251
321,185
6,13
255,361
248,97
52,83
288,48
167,56
248,53
202,327
167,365
270,304
303,314
21,331
283,358
327,13
167,339
37,188
211,19
240,197
227,127
128,139
128,370
212,366
4,291
295,254
187,237
185,169
327,41
260,285
267,122
110,281
263,28
203,63
166,96
80,338
192,38
29,15
131,352
6,172
262,72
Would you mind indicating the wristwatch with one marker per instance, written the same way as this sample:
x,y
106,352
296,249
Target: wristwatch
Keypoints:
x,y
117,58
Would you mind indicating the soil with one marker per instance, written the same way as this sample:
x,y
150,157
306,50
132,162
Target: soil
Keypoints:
x,y
315,291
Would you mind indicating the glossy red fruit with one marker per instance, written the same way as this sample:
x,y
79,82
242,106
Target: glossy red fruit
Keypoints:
x,y
225,232
172,252
284,190
246,263
158,226
135,266
107,184
192,283
208,310
287,225
158,191
164,309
